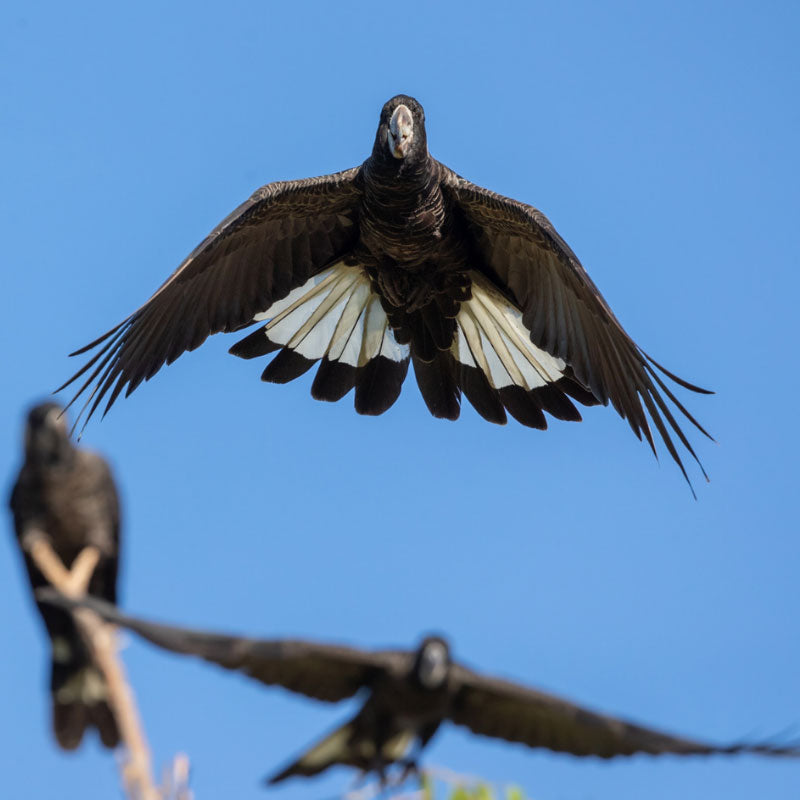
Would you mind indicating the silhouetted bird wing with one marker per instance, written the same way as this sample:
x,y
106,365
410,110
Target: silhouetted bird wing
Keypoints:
x,y
322,671
505,710
272,243
566,314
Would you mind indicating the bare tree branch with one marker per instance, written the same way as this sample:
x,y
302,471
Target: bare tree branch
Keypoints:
x,y
101,640
176,779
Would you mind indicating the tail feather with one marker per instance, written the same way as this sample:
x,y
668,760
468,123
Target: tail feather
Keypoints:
x,y
70,721
286,366
349,747
378,385
441,328
556,403
254,346
334,317
103,719
478,346
491,336
333,380
333,749
523,407
437,383
79,701
484,399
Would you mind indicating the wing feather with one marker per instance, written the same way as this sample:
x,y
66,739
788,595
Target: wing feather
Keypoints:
x,y
515,713
275,241
566,314
322,671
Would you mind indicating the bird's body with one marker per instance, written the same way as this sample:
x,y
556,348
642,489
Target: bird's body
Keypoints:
x,y
68,495
397,715
66,498
408,694
399,261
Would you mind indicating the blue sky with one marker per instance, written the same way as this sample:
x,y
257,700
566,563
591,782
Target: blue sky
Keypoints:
x,y
662,143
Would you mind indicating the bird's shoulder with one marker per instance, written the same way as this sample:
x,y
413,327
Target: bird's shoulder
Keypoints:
x,y
323,191
511,229
90,463
395,665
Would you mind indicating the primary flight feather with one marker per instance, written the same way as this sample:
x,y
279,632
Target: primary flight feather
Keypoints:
x,y
399,261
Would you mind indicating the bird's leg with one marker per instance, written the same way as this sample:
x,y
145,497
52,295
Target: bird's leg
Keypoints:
x,y
378,766
381,770
411,762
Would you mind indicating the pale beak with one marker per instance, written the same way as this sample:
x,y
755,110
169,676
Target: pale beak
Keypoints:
x,y
401,131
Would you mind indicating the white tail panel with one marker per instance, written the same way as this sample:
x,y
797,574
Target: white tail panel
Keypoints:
x,y
492,337
335,313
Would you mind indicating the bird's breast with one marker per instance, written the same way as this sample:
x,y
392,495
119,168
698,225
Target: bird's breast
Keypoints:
x,y
71,511
410,705
402,222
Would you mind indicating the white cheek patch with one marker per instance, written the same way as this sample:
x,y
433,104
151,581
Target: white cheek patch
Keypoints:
x,y
492,337
333,314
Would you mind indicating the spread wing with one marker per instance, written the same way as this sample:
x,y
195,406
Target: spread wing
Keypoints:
x,y
322,671
272,243
505,710
565,313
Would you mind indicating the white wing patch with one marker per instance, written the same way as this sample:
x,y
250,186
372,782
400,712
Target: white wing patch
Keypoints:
x,y
490,335
335,313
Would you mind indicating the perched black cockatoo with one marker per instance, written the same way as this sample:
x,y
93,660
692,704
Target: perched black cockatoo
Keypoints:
x,y
67,495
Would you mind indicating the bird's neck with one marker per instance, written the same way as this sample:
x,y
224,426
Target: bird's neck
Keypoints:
x,y
399,185
60,457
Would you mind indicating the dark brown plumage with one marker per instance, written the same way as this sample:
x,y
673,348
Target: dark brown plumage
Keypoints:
x,y
68,495
400,260
410,694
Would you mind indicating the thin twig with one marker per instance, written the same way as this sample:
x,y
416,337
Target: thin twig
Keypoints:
x,y
51,566
176,779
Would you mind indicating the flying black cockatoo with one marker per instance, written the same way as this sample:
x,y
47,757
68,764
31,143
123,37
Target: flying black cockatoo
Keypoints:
x,y
68,496
409,693
399,260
